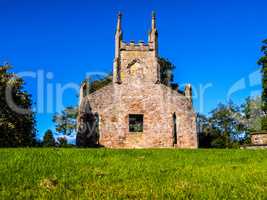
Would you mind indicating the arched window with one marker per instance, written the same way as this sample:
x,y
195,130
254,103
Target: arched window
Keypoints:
x,y
96,127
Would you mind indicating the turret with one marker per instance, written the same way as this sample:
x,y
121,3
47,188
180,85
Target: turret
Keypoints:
x,y
153,36
118,36
118,42
84,90
188,92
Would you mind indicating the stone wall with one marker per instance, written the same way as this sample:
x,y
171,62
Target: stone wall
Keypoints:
x,y
138,64
156,102
259,138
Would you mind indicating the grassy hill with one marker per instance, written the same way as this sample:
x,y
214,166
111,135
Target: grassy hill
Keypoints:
x,y
134,174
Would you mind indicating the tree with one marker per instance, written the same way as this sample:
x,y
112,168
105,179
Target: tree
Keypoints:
x,y
48,139
62,141
263,63
252,111
17,121
224,128
205,135
226,123
166,71
253,114
66,120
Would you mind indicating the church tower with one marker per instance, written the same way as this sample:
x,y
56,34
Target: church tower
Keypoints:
x,y
136,60
136,110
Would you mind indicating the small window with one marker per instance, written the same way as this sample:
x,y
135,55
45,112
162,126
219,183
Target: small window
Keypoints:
x,y
136,123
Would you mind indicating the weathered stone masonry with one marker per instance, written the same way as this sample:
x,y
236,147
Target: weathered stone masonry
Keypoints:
x,y
166,116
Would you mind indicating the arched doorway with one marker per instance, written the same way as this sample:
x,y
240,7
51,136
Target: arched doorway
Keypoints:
x,y
96,127
88,127
174,131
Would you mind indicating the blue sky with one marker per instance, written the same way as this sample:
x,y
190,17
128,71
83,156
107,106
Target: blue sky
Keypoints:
x,y
215,43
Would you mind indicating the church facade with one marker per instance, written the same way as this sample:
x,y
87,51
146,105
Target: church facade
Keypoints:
x,y
136,110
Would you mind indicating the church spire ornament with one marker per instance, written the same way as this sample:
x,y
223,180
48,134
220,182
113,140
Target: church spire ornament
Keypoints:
x,y
118,42
153,24
153,37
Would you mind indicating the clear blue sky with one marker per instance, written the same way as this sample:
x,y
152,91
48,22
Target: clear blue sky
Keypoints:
x,y
209,41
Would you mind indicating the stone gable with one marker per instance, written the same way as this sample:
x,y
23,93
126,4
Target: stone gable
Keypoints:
x,y
135,110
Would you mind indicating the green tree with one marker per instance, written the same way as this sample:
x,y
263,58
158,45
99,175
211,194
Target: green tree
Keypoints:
x,y
224,128
48,139
66,121
226,125
252,112
17,121
166,71
62,141
205,135
263,63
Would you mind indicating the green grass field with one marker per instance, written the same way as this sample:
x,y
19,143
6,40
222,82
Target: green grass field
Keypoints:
x,y
132,174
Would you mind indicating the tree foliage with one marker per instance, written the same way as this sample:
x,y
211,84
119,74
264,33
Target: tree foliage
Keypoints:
x,y
227,124
205,134
62,142
263,63
48,139
166,71
252,112
100,83
226,127
17,129
66,120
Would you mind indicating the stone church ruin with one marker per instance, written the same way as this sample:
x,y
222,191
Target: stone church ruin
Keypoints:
x,y
136,110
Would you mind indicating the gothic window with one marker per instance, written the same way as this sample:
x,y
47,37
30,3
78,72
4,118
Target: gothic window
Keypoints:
x,y
136,122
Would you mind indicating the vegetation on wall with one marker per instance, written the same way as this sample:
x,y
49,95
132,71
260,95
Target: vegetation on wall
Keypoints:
x,y
16,129
95,85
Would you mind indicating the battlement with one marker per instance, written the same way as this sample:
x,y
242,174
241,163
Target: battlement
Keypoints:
x,y
140,46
